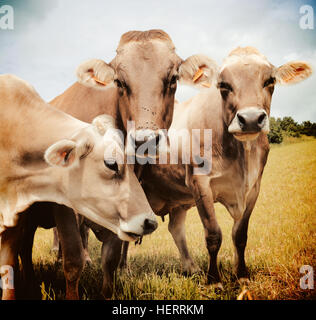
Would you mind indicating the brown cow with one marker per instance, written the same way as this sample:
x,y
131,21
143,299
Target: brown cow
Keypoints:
x,y
237,109
140,85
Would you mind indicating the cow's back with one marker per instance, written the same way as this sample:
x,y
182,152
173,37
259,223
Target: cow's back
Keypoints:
x,y
86,103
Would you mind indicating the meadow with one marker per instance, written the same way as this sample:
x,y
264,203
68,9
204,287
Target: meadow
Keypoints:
x,y
281,238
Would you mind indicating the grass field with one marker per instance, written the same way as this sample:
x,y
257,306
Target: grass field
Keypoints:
x,y
281,239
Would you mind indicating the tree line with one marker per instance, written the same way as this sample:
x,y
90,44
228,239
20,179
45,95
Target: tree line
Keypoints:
x,y
280,127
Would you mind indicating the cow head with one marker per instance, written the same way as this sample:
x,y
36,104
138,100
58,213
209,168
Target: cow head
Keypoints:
x,y
246,82
97,185
145,71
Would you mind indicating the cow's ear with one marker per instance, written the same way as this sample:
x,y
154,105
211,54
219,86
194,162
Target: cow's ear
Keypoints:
x,y
293,72
62,154
198,70
95,73
103,122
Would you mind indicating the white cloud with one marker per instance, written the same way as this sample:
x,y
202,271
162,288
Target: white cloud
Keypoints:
x,y
52,39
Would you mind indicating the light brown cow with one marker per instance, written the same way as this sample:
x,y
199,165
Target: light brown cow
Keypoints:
x,y
140,84
237,109
47,155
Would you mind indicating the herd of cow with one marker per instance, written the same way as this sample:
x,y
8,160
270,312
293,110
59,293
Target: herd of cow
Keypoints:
x,y
53,169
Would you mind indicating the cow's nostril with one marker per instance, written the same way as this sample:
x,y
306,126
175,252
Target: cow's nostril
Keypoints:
x,y
132,140
261,118
241,120
152,140
150,226
138,143
157,139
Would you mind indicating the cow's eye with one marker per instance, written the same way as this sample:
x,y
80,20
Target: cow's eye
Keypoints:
x,y
111,164
269,82
123,86
173,80
225,86
119,83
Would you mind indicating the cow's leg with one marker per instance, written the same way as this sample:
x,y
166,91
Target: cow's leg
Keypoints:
x,y
27,272
84,233
176,227
55,247
213,237
239,235
72,250
123,260
9,247
202,193
111,254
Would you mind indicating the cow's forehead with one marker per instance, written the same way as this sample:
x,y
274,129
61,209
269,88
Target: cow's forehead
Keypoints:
x,y
155,52
249,64
254,59
153,44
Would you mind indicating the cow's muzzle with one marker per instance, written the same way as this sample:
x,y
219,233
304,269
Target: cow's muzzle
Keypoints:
x,y
137,227
248,123
147,143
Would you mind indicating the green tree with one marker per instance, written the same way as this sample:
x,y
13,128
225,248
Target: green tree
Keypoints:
x,y
290,127
308,128
275,135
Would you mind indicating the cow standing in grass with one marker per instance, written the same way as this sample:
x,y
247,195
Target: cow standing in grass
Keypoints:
x,y
139,85
47,155
237,109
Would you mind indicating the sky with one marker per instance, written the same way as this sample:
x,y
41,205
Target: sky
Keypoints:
x,y
51,38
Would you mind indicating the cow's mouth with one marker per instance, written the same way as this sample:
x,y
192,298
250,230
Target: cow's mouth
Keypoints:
x,y
148,147
133,235
246,136
129,236
147,158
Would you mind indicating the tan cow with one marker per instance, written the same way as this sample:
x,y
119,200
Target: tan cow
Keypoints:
x,y
138,85
47,155
237,109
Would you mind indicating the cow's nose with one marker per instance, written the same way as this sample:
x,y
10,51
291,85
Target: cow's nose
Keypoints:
x,y
150,226
151,141
251,121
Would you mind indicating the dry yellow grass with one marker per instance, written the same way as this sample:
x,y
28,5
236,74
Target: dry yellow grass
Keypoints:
x,y
281,239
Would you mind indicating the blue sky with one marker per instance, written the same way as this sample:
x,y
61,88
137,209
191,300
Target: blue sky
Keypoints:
x,y
52,37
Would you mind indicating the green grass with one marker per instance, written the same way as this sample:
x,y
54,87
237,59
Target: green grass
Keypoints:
x,y
281,239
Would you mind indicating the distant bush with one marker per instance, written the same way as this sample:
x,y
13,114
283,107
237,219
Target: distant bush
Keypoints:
x,y
290,128
275,135
308,128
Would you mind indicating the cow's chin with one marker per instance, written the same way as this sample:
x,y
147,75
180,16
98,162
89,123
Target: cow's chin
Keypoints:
x,y
246,136
147,156
127,236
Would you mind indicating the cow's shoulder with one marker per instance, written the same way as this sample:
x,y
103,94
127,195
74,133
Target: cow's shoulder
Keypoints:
x,y
14,90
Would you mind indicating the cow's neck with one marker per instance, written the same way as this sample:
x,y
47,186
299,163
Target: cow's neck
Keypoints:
x,y
248,154
248,146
